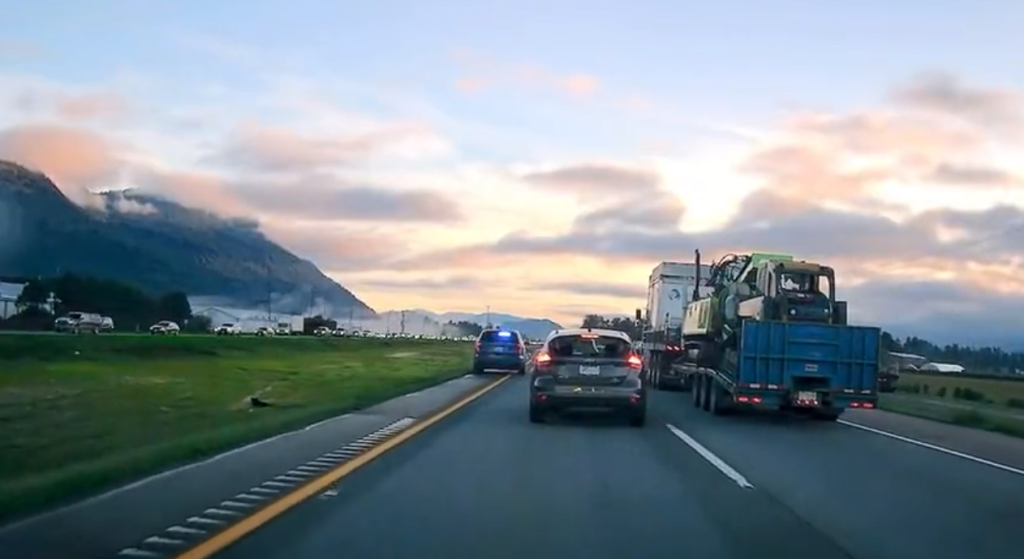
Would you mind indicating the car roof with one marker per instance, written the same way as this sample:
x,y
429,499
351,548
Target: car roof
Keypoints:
x,y
599,331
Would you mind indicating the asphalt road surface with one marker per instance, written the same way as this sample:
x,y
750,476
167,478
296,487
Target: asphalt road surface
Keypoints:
x,y
487,484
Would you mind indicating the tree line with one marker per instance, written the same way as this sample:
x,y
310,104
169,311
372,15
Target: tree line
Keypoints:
x,y
976,359
465,328
44,299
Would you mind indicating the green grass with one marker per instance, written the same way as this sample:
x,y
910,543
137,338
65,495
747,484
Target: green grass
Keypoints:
x,y
995,391
79,414
979,403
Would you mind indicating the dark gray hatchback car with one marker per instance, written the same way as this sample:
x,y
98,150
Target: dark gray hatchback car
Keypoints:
x,y
588,369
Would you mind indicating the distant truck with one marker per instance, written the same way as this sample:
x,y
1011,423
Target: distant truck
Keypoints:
x,y
670,288
772,335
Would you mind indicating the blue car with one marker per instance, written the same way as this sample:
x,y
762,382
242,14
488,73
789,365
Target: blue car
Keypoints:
x,y
499,350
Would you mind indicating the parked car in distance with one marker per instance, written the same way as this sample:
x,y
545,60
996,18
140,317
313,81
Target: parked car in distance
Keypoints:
x,y
265,331
78,322
227,329
165,328
321,331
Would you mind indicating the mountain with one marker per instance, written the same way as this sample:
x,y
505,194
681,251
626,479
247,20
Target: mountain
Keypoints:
x,y
156,245
420,321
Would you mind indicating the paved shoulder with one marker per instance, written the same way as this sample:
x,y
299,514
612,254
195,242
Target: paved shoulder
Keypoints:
x,y
487,483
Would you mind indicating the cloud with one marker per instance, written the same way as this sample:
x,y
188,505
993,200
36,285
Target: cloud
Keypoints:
x,y
965,175
915,201
482,72
940,92
596,179
260,148
341,249
619,198
328,198
944,312
73,107
77,159
604,289
831,188
455,283
315,197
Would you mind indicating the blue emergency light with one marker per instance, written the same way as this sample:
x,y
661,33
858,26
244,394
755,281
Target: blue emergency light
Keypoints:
x,y
504,333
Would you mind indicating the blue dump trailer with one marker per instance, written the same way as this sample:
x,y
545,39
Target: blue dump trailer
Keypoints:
x,y
813,368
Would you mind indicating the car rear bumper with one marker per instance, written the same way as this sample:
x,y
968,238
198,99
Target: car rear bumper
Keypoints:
x,y
590,398
510,363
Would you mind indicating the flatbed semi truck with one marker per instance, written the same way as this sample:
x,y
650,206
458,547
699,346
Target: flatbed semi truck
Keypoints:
x,y
817,369
766,331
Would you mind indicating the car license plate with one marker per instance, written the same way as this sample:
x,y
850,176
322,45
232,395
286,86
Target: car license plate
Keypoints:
x,y
589,371
576,389
807,396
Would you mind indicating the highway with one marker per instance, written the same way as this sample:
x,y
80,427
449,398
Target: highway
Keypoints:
x,y
484,483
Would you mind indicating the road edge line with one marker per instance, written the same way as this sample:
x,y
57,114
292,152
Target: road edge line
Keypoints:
x,y
263,516
714,460
935,447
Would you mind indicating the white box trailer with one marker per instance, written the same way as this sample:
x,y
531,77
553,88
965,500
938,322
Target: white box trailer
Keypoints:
x,y
669,290
292,324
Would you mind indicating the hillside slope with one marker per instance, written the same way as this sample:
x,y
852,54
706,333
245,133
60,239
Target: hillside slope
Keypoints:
x,y
42,233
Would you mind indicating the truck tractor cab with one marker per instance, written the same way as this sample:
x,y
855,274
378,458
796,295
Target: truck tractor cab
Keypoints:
x,y
786,291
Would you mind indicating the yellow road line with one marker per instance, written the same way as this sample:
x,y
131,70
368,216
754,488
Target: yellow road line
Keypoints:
x,y
249,524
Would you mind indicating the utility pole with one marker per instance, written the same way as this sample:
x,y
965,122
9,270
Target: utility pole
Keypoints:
x,y
488,325
270,297
351,311
388,331
403,323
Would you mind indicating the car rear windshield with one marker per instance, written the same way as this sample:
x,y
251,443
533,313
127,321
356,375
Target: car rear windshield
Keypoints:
x,y
499,337
582,345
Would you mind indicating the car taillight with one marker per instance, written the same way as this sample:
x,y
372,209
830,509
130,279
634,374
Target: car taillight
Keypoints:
x,y
476,346
543,359
635,362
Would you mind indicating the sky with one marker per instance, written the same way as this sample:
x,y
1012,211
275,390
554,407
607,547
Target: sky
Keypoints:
x,y
541,157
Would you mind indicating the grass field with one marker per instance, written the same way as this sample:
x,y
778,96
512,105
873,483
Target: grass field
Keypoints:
x,y
81,413
981,403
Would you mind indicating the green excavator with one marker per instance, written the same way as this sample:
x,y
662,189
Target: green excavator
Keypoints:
x,y
762,287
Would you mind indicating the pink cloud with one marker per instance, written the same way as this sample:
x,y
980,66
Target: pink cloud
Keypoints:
x,y
75,158
485,72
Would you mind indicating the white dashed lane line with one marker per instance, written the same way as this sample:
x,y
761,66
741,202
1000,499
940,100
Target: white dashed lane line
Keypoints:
x,y
176,539
715,461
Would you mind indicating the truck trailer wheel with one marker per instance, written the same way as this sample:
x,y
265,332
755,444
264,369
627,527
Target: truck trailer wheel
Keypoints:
x,y
720,404
705,393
